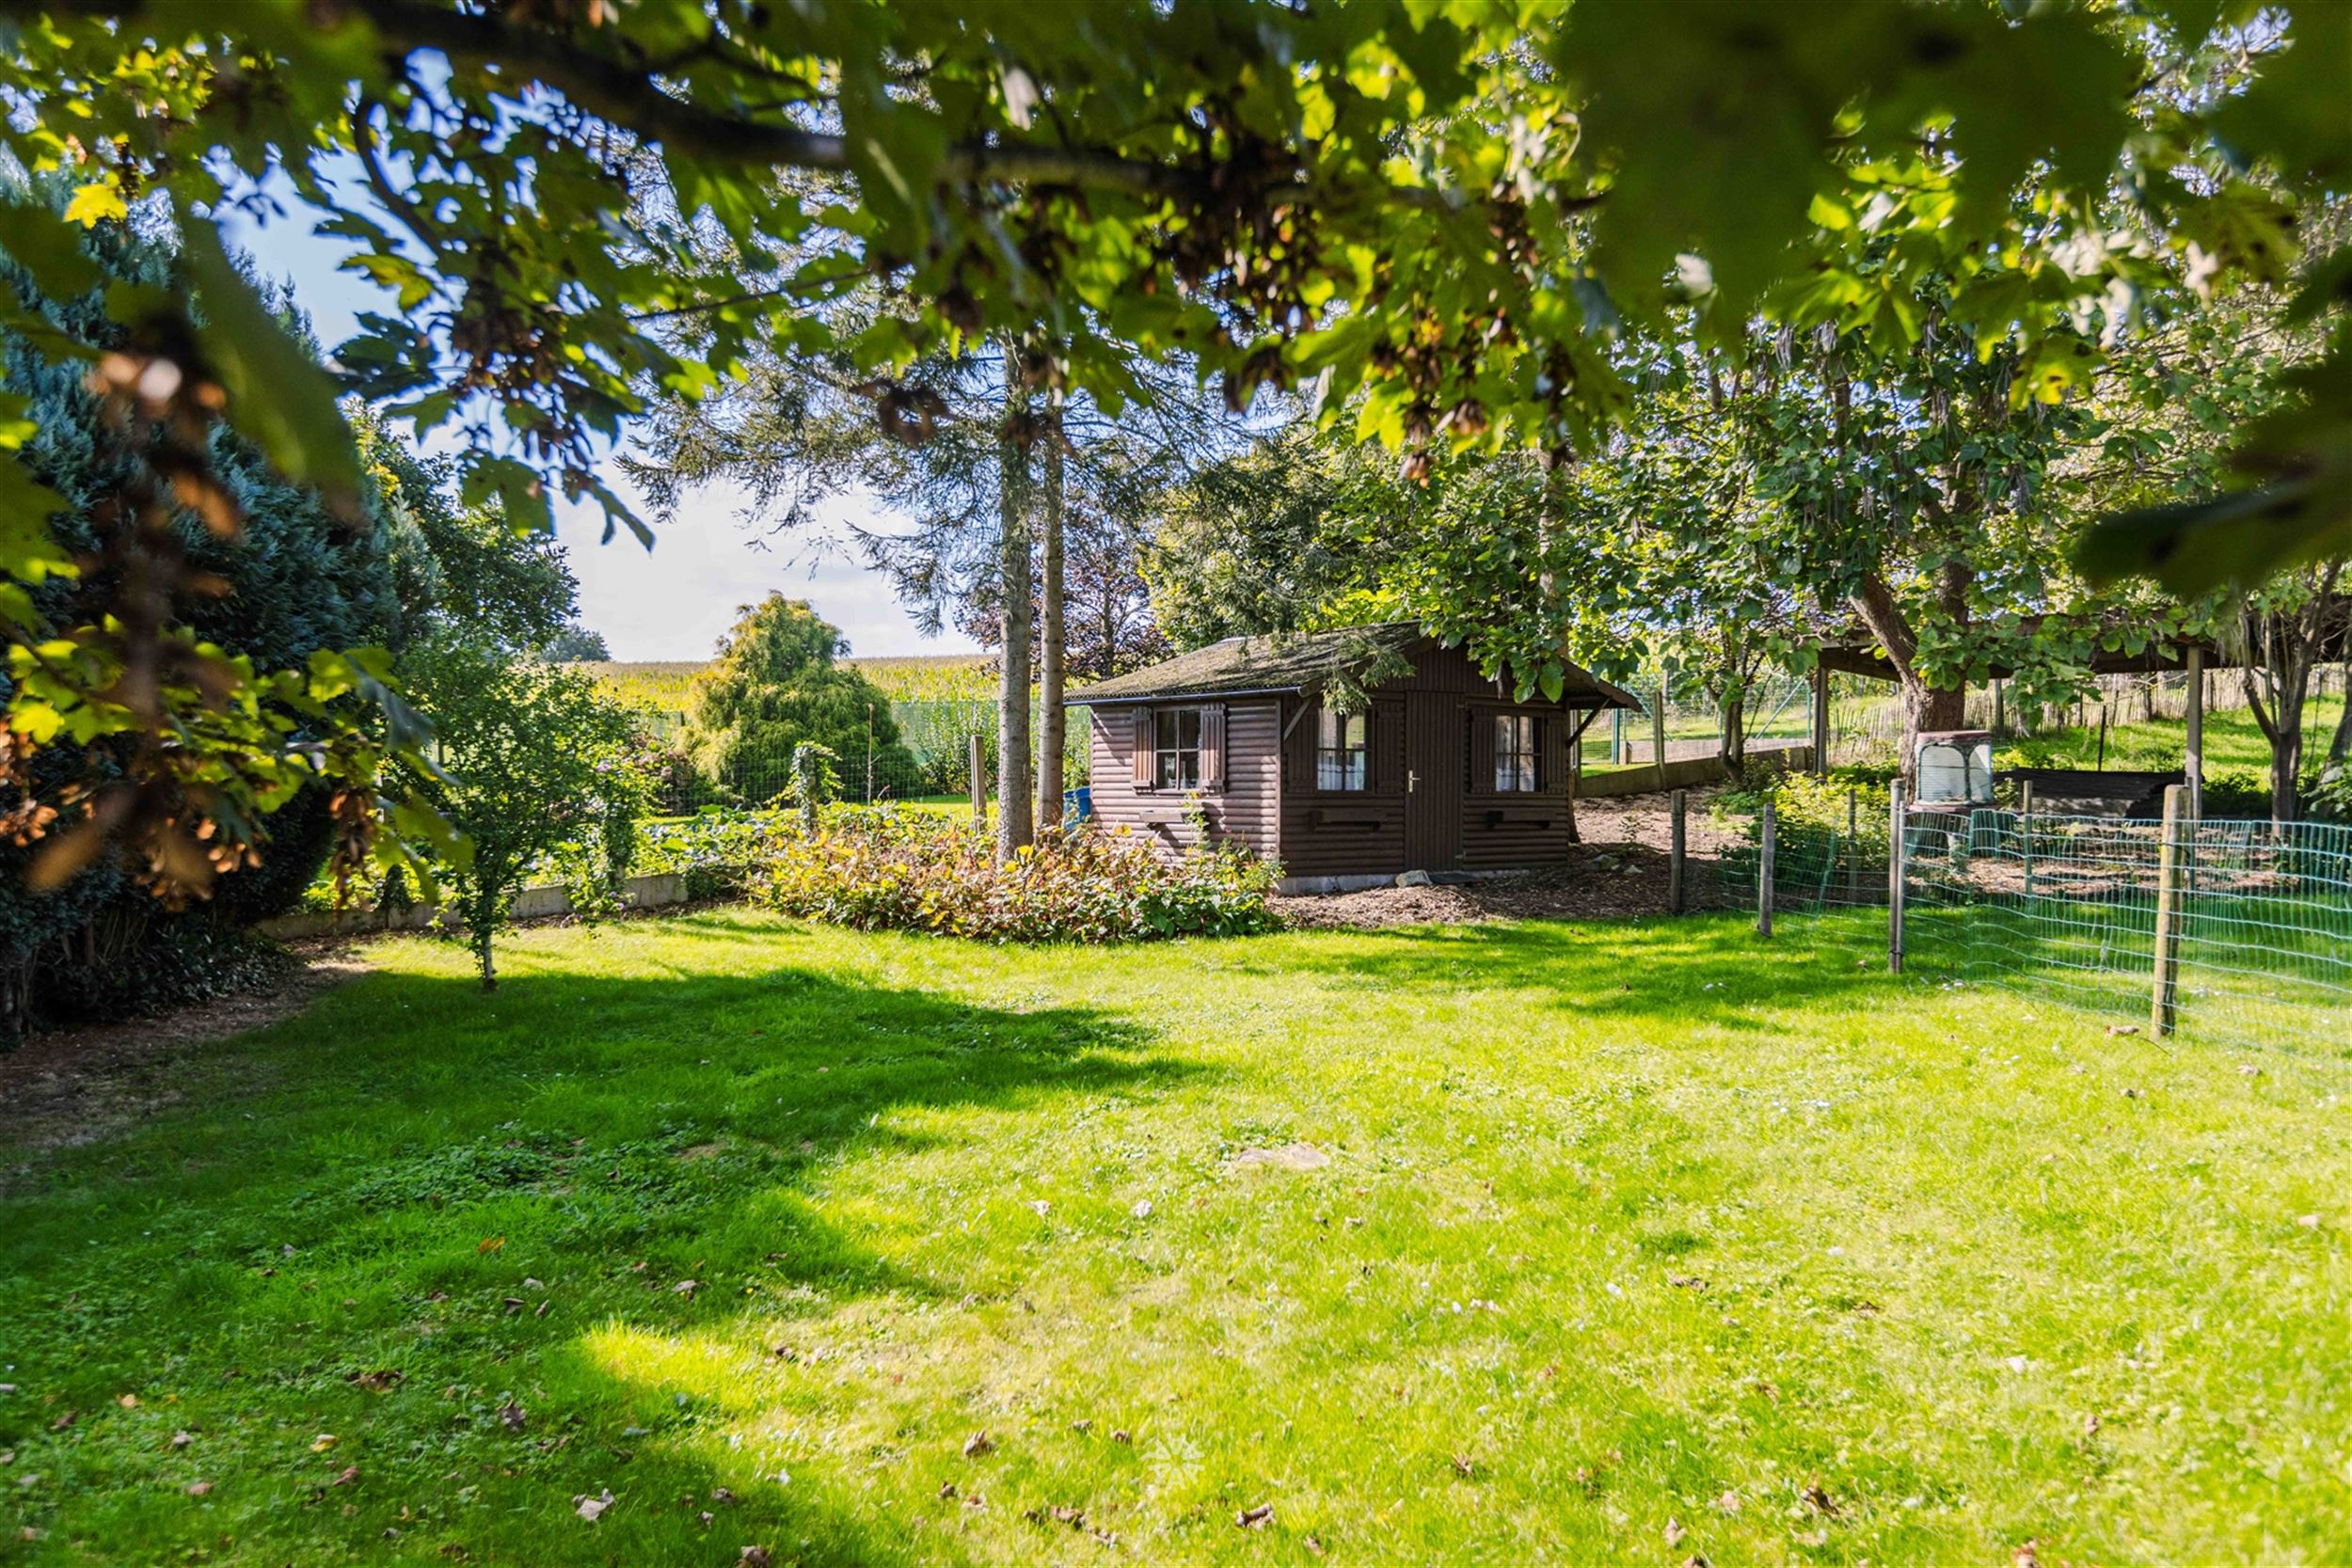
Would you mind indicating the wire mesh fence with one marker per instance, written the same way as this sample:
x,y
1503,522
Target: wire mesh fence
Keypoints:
x,y
2239,933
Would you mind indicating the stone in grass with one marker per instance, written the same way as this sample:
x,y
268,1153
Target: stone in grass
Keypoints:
x,y
1287,1157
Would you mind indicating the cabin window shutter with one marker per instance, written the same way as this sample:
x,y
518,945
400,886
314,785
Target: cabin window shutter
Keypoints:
x,y
1141,763
1479,750
1213,746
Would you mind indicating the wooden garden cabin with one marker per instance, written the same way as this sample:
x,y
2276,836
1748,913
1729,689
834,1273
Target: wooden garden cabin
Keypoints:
x,y
1445,771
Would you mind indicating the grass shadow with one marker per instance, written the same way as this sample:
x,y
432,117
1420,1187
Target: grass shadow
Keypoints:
x,y
413,1239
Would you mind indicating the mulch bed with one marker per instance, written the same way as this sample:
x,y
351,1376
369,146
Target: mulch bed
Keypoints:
x,y
1620,870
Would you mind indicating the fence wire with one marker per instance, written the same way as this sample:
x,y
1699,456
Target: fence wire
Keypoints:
x,y
2066,907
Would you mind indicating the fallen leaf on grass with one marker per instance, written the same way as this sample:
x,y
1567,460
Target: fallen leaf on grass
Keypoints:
x,y
382,1381
1058,1513
349,1476
1121,1436
514,1305
1729,1502
1675,1532
1254,1519
197,1488
1819,1501
977,1445
512,1416
2122,1028
722,1496
1696,1560
755,1557
1686,1282
686,1288
2026,1555
592,1509
1813,1538
322,1442
947,1490
1464,1466
64,1422
128,1401
491,1244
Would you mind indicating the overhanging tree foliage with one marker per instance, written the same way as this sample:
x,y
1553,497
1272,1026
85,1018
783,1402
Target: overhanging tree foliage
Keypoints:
x,y
1439,211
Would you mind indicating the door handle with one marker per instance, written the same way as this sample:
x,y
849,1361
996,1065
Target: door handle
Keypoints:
x,y
1412,780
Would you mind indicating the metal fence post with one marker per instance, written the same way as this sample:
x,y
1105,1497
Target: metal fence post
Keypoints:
x,y
2165,999
1764,872
979,782
1896,852
1680,804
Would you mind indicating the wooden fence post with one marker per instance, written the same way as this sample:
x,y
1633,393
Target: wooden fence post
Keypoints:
x,y
2193,760
2025,830
1854,845
2164,1003
1897,851
1680,804
979,782
1657,731
1821,723
1764,872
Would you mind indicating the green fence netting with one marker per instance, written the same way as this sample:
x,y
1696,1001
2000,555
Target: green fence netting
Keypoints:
x,y
2065,908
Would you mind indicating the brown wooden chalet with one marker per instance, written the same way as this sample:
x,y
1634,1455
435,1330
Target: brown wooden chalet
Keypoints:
x,y
1442,772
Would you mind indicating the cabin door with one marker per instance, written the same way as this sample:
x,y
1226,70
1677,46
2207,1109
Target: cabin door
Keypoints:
x,y
1433,763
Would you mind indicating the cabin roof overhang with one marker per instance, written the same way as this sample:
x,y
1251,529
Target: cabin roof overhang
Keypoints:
x,y
1268,667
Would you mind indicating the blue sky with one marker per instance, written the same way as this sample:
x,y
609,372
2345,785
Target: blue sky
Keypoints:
x,y
674,601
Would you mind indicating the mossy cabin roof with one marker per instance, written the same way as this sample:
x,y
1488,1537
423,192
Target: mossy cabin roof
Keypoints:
x,y
1308,662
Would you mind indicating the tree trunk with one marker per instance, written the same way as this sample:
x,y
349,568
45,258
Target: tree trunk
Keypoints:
x,y
1054,642
1013,824
2288,645
2281,722
1734,748
1925,708
1553,526
2340,744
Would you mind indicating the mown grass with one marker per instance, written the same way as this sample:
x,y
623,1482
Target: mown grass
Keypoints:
x,y
2233,741
1634,1238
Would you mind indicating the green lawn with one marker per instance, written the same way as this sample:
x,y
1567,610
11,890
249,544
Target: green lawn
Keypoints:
x,y
1635,1241
2232,740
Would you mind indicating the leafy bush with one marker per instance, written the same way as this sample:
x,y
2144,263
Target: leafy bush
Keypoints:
x,y
715,852
532,757
876,869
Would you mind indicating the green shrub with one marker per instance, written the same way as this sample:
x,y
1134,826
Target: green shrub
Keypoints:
x,y
876,869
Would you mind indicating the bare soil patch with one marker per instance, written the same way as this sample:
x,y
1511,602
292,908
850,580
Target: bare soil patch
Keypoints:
x,y
79,1086
1620,870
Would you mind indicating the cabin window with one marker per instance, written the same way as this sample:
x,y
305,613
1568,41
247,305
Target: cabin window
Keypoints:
x,y
1341,749
1176,748
1515,752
